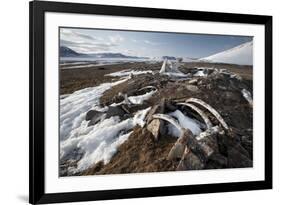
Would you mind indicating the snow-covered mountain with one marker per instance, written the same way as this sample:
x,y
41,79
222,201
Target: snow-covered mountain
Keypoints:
x,y
67,52
241,55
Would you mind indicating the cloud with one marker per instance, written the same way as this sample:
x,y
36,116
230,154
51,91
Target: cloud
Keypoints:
x,y
87,47
116,39
84,43
68,33
152,43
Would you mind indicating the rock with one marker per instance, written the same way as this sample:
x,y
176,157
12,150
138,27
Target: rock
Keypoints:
x,y
94,117
115,111
193,81
189,161
177,151
170,106
155,109
154,127
181,144
217,161
237,158
247,143
92,113
97,118
192,88
230,95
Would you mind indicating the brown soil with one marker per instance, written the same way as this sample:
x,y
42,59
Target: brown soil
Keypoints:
x,y
79,78
140,153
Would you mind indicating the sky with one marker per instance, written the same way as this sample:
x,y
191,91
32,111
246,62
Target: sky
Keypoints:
x,y
147,44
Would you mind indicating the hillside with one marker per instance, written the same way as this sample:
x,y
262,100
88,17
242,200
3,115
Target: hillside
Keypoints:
x,y
241,55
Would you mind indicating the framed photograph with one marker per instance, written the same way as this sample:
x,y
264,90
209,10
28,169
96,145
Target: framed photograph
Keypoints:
x,y
141,102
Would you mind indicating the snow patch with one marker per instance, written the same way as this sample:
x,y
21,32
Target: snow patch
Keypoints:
x,y
174,74
100,142
139,99
200,73
128,73
74,107
185,122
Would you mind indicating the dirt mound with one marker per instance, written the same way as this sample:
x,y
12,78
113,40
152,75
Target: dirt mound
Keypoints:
x,y
140,153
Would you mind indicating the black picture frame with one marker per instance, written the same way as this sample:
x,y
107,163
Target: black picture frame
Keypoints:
x,y
37,11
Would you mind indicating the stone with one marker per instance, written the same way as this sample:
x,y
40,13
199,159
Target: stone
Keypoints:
x,y
189,161
154,127
237,158
192,88
193,81
94,117
92,113
97,118
115,111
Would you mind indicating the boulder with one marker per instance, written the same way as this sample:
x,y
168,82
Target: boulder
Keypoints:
x,y
94,117
154,127
193,81
115,111
238,157
92,113
192,88
189,161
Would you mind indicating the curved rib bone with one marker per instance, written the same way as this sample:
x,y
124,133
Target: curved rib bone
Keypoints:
x,y
200,112
186,138
178,149
170,120
211,110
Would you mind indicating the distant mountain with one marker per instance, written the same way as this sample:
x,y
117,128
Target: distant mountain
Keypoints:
x,y
241,55
67,52
169,58
112,55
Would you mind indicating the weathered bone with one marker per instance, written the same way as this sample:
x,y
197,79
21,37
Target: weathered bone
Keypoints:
x,y
178,148
146,87
170,120
127,101
209,132
200,112
211,110
163,68
186,138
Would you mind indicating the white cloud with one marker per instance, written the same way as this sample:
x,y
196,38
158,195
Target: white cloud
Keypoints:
x,y
116,39
152,43
84,43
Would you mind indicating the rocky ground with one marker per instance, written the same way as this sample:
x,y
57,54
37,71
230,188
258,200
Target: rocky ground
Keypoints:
x,y
151,148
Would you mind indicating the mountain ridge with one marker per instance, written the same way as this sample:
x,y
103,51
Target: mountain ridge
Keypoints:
x,y
68,52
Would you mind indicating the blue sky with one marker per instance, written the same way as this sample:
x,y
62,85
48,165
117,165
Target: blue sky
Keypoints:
x,y
147,44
